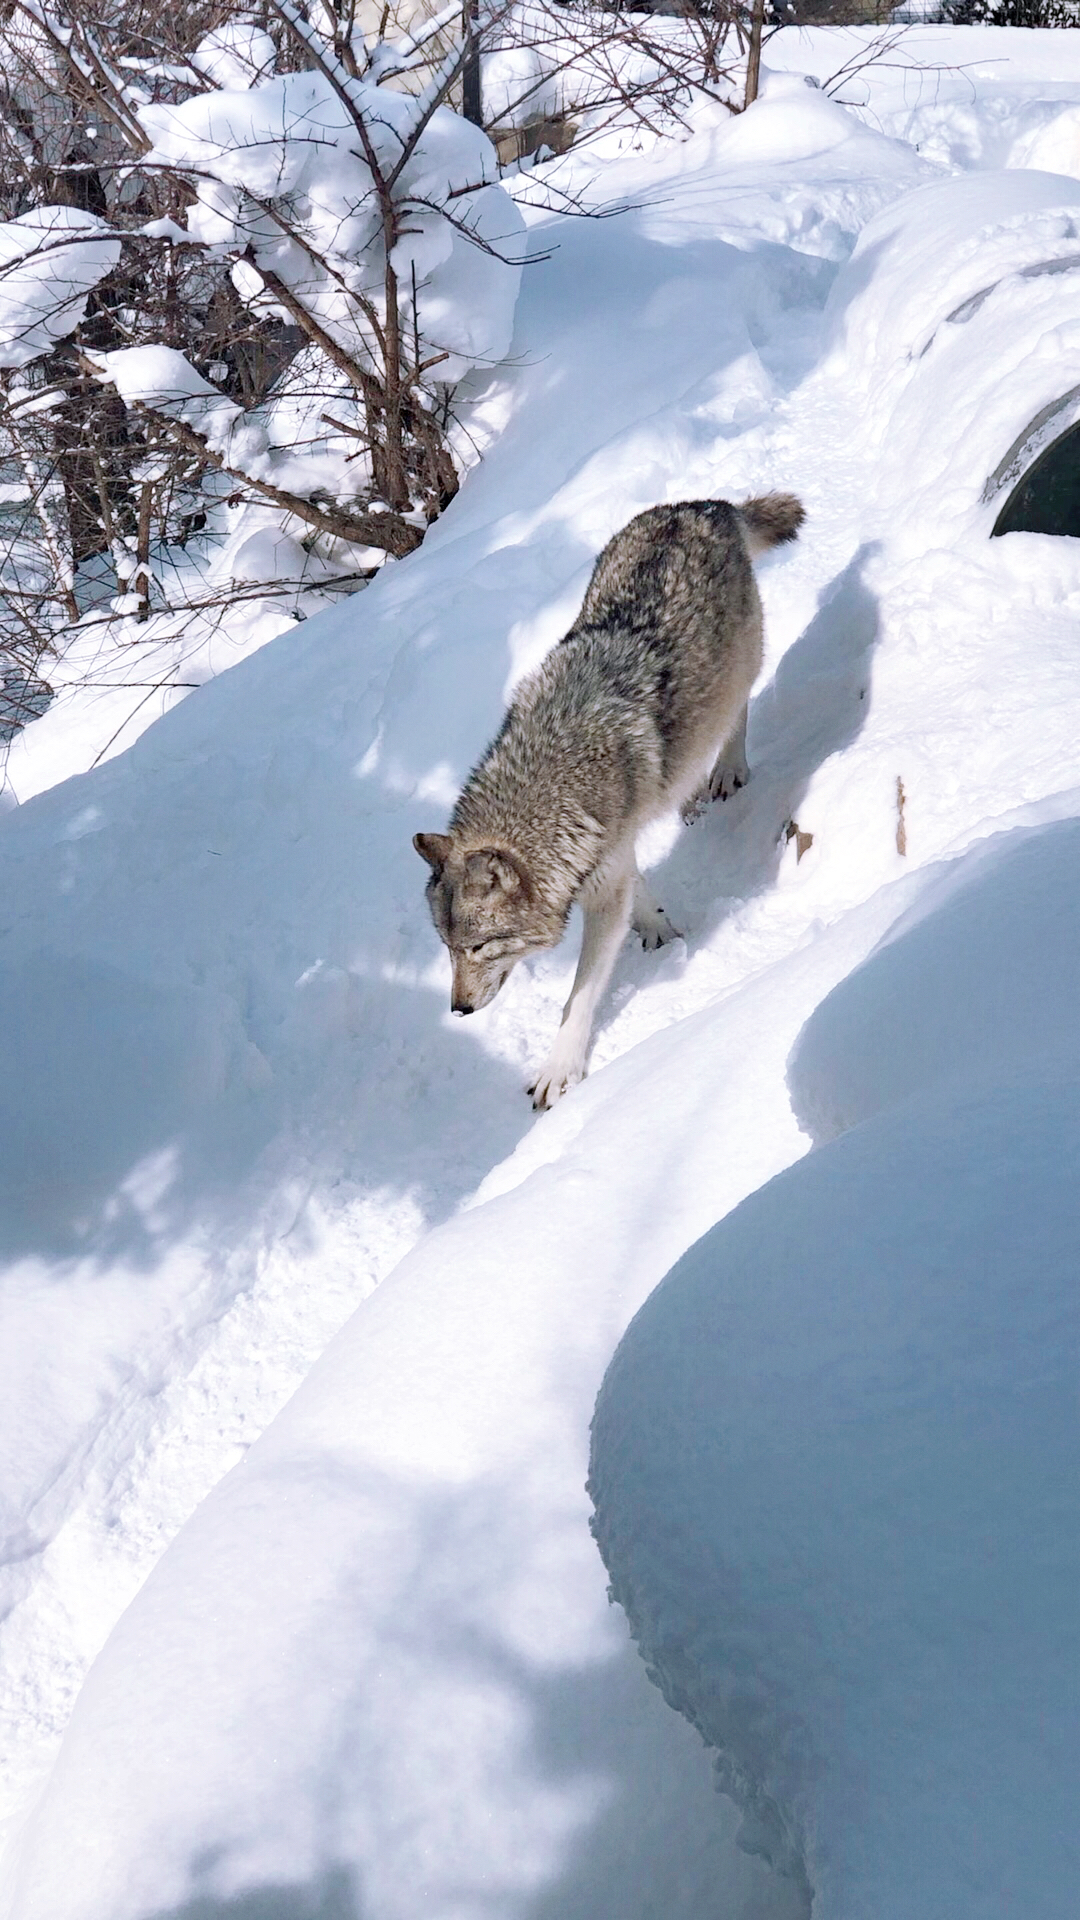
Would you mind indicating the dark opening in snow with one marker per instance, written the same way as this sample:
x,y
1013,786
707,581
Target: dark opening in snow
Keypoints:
x,y
1046,499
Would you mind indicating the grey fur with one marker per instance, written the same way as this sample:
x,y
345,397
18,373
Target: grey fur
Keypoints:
x,y
771,520
641,708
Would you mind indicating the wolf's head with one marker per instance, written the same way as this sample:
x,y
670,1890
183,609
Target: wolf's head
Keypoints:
x,y
487,910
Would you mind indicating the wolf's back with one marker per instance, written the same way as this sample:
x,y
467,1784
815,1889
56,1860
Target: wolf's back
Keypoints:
x,y
770,519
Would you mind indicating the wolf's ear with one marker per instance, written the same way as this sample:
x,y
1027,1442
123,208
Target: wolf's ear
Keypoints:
x,y
433,847
501,868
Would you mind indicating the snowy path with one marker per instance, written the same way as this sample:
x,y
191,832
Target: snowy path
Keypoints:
x,y
279,1124
236,1064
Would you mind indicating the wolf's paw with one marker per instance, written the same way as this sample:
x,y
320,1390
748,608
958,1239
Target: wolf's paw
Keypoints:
x,y
653,928
727,779
693,808
554,1079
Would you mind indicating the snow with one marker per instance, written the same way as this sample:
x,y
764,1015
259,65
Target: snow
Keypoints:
x,y
282,181
281,176
988,949
833,1455
1055,147
50,261
162,378
963,98
235,55
303,1314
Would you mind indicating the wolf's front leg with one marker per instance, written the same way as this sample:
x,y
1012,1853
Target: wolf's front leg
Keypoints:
x,y
605,930
731,770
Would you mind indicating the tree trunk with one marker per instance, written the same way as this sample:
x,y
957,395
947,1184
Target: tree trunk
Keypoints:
x,y
472,101
397,479
753,58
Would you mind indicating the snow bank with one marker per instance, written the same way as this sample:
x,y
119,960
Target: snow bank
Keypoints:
x,y
964,97
1054,147
382,1649
257,844
958,321
976,982
831,1457
834,1475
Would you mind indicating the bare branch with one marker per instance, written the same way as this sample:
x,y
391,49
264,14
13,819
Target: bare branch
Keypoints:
x,y
388,531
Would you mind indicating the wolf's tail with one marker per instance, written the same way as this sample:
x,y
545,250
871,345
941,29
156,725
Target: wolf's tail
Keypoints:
x,y
770,520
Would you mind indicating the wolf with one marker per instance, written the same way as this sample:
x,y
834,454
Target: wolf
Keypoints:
x,y
639,709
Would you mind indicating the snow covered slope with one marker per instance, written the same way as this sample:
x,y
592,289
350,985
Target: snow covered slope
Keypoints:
x,y
376,1670
834,1455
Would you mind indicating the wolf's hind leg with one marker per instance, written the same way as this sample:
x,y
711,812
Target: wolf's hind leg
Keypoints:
x,y
605,931
649,920
731,771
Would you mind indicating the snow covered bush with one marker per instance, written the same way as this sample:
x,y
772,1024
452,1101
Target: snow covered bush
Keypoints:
x,y
556,72
240,280
371,220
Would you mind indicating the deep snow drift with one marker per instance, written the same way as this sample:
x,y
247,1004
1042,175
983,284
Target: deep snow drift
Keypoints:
x,y
376,1669
833,1457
